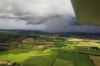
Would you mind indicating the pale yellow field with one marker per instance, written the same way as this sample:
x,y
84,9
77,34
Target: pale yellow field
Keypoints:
x,y
88,44
96,60
2,62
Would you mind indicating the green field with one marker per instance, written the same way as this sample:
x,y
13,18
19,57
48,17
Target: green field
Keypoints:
x,y
29,57
61,62
75,59
25,46
72,51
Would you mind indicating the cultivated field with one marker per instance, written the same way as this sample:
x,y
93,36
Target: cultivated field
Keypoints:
x,y
75,59
96,60
49,51
28,57
61,62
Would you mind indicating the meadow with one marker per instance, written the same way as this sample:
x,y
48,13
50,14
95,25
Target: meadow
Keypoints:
x,y
29,57
67,52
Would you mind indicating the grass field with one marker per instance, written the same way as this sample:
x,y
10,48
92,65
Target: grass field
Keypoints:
x,y
28,57
61,62
71,52
88,44
75,59
26,46
82,45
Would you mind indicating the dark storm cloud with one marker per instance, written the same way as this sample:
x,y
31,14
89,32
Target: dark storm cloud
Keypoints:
x,y
84,29
65,19
35,12
46,15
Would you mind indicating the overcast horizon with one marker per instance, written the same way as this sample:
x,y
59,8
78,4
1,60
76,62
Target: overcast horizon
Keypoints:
x,y
44,15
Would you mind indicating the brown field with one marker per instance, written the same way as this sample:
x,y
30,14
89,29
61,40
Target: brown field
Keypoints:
x,y
2,62
41,47
96,60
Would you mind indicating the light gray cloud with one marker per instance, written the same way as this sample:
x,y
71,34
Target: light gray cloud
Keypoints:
x,y
19,24
35,11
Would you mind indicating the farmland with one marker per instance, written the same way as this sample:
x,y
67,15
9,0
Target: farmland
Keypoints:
x,y
75,59
49,50
44,58
96,60
29,57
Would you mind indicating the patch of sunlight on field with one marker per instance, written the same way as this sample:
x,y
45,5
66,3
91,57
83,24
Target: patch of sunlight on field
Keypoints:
x,y
75,39
21,57
89,44
60,62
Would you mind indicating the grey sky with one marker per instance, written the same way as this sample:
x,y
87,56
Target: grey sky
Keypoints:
x,y
46,15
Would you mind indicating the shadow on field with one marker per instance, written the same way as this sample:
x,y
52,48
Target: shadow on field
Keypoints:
x,y
45,60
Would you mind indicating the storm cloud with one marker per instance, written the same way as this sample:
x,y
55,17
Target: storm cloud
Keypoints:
x,y
35,11
45,15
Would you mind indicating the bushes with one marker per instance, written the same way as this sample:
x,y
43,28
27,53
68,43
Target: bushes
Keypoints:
x,y
25,46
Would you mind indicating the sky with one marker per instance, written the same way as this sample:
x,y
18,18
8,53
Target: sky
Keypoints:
x,y
45,15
